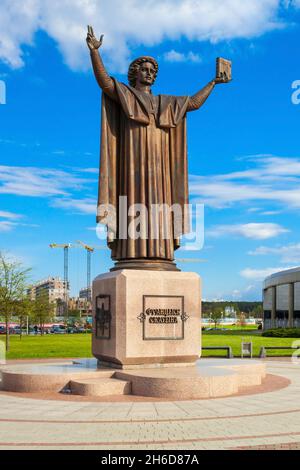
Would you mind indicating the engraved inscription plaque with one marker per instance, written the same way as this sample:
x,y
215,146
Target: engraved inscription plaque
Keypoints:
x,y
163,317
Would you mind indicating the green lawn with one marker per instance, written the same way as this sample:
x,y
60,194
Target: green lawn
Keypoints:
x,y
234,339
234,327
64,346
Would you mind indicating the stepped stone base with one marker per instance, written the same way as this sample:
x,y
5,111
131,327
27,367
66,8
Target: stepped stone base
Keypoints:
x,y
210,381
210,378
100,387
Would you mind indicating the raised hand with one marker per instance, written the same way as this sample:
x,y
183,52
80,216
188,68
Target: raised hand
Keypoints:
x,y
91,40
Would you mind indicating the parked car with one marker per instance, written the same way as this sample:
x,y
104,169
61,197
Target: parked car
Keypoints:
x,y
58,330
13,330
16,330
80,329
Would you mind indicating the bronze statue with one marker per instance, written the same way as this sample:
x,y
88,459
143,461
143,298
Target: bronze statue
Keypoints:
x,y
143,159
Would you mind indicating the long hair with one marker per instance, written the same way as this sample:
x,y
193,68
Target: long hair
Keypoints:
x,y
135,65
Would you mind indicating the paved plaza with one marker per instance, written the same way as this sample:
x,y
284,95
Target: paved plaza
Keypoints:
x,y
268,420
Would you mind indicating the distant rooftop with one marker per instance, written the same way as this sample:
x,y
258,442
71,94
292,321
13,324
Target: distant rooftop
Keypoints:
x,y
285,271
286,276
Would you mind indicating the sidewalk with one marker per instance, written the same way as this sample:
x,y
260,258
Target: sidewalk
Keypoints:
x,y
268,420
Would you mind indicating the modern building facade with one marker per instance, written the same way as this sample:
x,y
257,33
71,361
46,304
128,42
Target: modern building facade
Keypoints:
x,y
281,298
82,305
86,293
54,289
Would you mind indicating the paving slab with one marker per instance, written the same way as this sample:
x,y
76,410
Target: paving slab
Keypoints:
x,y
269,420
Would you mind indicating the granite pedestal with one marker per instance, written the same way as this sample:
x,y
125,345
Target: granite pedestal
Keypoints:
x,y
146,319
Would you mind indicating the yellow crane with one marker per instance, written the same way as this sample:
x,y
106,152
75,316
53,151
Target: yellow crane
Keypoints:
x,y
65,247
89,251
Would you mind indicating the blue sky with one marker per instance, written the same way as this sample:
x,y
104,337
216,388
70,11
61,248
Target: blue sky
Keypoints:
x,y
244,156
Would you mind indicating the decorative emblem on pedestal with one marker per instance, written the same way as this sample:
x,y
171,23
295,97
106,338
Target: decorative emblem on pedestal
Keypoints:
x,y
142,317
103,317
163,317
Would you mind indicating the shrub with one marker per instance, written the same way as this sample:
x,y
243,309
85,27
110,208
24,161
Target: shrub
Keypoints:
x,y
282,333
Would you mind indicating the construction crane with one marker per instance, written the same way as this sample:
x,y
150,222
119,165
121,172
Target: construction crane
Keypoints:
x,y
65,247
89,251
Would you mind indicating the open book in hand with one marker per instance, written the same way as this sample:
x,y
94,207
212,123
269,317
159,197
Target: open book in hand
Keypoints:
x,y
224,69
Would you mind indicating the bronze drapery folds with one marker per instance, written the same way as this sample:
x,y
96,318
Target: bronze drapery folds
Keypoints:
x,y
143,178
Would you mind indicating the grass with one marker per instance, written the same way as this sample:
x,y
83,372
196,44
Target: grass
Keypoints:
x,y
234,339
79,345
234,327
47,346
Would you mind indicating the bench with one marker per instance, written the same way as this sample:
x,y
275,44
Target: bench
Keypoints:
x,y
263,349
221,348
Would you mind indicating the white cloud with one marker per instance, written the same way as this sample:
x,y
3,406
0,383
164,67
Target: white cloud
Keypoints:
x,y
273,179
90,170
271,213
255,231
252,292
261,274
127,23
288,254
247,293
37,182
61,188
83,206
236,294
9,215
253,209
174,56
6,226
18,23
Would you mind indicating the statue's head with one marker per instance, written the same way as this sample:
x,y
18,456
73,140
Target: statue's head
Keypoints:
x,y
142,71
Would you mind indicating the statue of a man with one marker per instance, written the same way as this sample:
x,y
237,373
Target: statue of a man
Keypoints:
x,y
143,161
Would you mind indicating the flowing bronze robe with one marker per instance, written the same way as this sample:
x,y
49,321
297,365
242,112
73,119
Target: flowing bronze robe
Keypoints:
x,y
144,158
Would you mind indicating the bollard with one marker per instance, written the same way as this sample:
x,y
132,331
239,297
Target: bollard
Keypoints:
x,y
263,353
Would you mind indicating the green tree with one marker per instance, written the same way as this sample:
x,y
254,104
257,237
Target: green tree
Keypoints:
x,y
24,310
13,286
74,318
74,315
258,311
42,312
216,315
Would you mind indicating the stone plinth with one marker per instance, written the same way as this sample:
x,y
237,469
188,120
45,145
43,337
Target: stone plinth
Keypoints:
x,y
209,378
146,318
